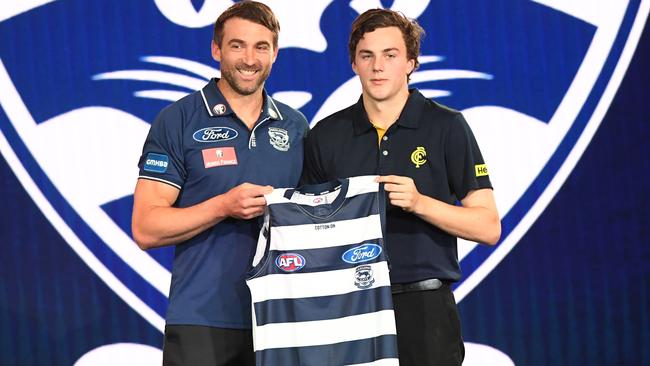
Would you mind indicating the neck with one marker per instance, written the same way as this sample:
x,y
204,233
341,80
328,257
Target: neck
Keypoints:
x,y
383,113
246,107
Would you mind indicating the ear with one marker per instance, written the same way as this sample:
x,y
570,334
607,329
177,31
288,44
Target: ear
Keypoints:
x,y
354,68
411,68
216,51
275,54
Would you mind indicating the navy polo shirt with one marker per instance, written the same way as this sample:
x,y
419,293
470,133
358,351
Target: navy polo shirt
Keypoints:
x,y
201,147
430,143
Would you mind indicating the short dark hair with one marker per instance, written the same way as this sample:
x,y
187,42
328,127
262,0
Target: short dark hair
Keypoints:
x,y
253,11
384,18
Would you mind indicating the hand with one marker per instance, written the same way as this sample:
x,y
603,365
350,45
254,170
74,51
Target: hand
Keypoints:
x,y
246,201
401,191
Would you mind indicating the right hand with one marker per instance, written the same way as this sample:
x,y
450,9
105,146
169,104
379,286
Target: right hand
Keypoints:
x,y
246,201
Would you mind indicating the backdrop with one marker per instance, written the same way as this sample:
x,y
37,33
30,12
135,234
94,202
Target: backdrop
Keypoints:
x,y
555,91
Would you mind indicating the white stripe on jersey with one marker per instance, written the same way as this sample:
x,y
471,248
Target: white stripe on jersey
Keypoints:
x,y
357,186
344,232
321,332
382,362
298,285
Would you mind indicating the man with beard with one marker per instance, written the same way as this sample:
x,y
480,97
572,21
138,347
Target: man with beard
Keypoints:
x,y
207,162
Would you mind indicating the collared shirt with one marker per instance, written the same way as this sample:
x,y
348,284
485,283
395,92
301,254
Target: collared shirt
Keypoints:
x,y
430,143
201,147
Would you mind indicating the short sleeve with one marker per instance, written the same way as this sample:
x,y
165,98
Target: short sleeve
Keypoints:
x,y
466,167
312,165
162,155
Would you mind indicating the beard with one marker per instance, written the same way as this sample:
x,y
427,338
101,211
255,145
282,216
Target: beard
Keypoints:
x,y
230,74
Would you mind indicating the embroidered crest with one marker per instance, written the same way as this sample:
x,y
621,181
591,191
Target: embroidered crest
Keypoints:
x,y
363,277
279,138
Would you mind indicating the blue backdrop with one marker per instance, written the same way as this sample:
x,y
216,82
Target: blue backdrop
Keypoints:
x,y
556,94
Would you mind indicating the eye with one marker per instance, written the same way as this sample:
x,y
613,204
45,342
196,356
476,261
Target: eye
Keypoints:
x,y
263,47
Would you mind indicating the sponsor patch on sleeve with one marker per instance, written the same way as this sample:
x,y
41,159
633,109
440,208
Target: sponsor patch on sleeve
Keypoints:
x,y
219,156
156,163
481,170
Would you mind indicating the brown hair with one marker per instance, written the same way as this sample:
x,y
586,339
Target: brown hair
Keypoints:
x,y
250,10
383,18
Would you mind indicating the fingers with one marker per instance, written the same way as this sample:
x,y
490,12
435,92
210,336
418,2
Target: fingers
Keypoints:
x,y
389,179
252,212
253,190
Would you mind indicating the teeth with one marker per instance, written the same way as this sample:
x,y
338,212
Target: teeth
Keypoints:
x,y
248,72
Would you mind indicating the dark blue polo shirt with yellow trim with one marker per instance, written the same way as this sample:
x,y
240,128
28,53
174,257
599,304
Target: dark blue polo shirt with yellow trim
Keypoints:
x,y
430,143
201,147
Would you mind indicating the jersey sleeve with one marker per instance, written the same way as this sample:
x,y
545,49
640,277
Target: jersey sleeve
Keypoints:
x,y
466,167
162,154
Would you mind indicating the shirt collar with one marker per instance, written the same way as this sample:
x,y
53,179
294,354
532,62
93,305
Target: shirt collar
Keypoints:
x,y
409,118
217,105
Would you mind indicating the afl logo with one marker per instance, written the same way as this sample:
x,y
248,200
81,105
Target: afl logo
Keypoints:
x,y
290,262
215,134
50,109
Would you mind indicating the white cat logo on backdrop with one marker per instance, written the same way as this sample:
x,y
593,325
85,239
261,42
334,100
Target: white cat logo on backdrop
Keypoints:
x,y
43,153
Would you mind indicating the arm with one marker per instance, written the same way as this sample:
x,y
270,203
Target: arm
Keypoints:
x,y
476,220
156,223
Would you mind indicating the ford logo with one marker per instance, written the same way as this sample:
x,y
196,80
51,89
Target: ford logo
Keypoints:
x,y
362,253
212,134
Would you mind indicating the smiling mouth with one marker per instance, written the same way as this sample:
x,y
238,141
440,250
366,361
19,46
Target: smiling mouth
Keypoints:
x,y
247,73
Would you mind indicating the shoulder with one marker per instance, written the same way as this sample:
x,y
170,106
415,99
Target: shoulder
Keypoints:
x,y
335,123
290,115
440,112
183,108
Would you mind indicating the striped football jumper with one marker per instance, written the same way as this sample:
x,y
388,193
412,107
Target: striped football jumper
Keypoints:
x,y
320,281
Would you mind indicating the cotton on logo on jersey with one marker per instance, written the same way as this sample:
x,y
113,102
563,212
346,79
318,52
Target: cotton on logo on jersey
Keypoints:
x,y
362,253
290,262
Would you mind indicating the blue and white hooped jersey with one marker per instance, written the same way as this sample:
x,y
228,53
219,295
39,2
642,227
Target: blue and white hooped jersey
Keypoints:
x,y
320,280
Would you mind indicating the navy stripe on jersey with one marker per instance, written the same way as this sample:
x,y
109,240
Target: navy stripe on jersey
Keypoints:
x,y
345,353
323,307
287,214
320,260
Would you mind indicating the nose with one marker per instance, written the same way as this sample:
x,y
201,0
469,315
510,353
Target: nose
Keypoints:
x,y
378,64
249,56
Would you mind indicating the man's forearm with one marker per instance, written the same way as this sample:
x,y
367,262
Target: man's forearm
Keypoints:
x,y
157,226
477,223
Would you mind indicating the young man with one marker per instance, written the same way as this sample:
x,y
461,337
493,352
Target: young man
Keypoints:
x,y
207,162
427,157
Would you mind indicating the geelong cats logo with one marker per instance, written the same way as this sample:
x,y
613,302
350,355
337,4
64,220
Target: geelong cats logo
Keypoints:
x,y
76,104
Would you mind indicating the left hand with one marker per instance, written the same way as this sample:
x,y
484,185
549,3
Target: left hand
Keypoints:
x,y
401,191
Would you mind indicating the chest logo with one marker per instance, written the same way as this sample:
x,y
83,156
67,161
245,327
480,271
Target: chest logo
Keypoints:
x,y
419,156
362,253
290,262
219,157
219,109
215,134
363,277
279,138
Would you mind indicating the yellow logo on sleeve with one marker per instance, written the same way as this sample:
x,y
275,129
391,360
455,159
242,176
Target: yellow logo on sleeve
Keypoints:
x,y
481,170
419,156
